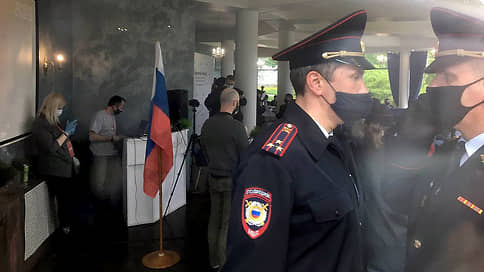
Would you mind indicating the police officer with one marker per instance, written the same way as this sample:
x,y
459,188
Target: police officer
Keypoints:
x,y
295,204
446,223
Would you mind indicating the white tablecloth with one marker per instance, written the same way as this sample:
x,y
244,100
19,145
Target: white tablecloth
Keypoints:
x,y
138,207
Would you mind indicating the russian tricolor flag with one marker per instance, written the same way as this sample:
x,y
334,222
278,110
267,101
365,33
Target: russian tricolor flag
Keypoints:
x,y
159,148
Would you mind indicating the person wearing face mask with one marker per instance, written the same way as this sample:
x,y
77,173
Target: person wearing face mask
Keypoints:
x,y
105,176
443,195
222,139
295,202
54,156
230,82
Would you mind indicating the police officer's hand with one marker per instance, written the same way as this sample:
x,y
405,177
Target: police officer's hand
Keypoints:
x,y
71,127
116,138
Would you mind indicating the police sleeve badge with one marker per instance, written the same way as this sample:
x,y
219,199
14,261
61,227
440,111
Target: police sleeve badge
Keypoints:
x,y
256,211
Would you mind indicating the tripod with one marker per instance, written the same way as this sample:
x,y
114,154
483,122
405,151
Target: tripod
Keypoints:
x,y
189,149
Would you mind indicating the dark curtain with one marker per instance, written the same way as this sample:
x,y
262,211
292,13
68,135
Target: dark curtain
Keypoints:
x,y
418,60
393,63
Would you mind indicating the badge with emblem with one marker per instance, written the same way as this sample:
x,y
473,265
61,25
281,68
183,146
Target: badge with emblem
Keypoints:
x,y
256,211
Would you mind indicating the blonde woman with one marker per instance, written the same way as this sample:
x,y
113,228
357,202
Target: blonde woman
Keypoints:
x,y
53,153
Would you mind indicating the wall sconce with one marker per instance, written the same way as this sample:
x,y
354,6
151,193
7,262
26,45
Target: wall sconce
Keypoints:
x,y
56,65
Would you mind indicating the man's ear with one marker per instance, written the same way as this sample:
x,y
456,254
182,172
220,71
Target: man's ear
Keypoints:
x,y
315,83
481,87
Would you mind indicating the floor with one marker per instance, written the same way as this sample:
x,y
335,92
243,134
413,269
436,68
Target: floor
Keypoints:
x,y
108,246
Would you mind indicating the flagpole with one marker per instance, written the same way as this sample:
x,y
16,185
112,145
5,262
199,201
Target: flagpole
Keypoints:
x,y
161,258
161,214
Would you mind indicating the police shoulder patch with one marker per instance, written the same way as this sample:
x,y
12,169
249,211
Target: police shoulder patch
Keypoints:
x,y
256,211
280,139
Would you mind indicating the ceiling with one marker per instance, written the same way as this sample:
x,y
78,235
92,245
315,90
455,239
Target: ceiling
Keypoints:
x,y
391,24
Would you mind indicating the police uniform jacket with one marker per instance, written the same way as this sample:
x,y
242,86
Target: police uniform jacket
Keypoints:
x,y
294,207
446,228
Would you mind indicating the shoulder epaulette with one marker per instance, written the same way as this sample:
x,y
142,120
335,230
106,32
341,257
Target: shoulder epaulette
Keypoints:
x,y
280,139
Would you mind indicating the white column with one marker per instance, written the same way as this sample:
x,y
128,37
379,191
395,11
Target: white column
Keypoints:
x,y
247,23
286,39
404,82
228,59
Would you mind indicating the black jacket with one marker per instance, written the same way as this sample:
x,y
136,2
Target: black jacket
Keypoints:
x,y
212,102
297,211
50,158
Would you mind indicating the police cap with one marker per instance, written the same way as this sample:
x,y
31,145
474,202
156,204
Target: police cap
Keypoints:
x,y
460,36
339,42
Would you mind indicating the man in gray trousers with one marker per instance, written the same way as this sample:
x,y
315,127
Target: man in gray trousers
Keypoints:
x,y
223,138
105,176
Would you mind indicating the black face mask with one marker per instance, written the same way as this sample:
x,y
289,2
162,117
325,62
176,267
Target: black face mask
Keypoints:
x,y
445,104
117,111
352,107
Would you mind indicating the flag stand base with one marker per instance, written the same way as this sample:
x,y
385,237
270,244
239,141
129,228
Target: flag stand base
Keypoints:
x,y
160,260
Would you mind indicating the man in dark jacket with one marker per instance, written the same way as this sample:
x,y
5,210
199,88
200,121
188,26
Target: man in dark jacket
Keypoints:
x,y
212,102
223,139
287,99
295,203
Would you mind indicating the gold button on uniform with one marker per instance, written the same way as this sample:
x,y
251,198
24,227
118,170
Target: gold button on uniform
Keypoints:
x,y
417,244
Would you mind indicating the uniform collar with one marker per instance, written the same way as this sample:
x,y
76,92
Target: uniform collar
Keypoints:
x,y
474,144
323,130
312,137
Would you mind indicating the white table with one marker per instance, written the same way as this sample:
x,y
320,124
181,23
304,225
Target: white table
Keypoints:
x,y
138,207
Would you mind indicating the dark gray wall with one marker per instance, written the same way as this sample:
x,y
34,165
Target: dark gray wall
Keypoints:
x,y
107,61
55,36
